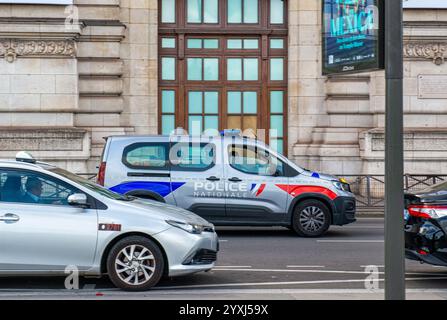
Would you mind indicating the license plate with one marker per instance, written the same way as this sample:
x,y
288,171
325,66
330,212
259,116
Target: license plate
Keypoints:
x,y
406,215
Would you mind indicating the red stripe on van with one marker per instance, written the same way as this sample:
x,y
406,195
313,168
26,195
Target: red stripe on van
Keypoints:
x,y
261,189
297,190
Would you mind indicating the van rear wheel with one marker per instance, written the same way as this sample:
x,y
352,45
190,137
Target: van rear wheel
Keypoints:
x,y
146,196
311,218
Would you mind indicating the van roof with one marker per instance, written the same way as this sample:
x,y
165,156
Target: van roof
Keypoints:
x,y
167,137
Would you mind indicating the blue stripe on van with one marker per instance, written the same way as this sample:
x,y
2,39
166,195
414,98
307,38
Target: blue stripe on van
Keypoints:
x,y
160,187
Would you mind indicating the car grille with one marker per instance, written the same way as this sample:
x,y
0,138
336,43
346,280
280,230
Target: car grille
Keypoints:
x,y
208,229
350,206
203,256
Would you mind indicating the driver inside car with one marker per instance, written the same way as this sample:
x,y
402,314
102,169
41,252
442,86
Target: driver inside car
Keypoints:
x,y
33,187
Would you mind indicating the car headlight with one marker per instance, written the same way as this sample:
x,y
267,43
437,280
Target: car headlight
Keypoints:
x,y
188,227
342,185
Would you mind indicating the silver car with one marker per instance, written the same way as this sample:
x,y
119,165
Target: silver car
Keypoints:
x,y
52,221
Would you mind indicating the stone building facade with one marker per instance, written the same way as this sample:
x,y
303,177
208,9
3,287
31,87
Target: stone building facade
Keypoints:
x,y
71,76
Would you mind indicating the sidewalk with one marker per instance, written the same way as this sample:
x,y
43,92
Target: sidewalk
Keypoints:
x,y
370,213
224,294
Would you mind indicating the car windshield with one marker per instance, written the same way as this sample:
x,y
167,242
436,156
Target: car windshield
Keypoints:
x,y
90,185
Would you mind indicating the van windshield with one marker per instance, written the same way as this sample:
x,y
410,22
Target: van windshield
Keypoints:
x,y
90,185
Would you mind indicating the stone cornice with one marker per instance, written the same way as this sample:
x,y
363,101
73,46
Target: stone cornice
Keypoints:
x,y
435,51
10,49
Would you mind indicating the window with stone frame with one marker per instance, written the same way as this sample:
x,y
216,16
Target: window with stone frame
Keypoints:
x,y
223,65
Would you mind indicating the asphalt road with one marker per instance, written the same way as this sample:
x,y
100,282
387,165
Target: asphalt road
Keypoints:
x,y
263,263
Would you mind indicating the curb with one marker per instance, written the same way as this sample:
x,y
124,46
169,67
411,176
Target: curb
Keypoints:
x,y
370,214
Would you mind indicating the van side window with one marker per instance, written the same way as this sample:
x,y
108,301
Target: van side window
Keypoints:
x,y
254,160
146,156
192,156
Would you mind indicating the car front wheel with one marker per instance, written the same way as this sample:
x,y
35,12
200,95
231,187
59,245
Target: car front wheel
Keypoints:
x,y
311,218
135,264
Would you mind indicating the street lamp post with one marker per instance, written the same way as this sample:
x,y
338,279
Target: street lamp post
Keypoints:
x,y
394,168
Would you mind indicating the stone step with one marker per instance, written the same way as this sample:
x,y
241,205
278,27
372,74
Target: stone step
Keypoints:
x,y
348,87
47,144
336,135
100,67
97,120
101,104
36,119
326,150
351,120
100,86
339,165
349,106
98,134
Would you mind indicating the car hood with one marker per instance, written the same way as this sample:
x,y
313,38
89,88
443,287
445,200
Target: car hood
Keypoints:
x,y
318,175
165,211
426,197
433,193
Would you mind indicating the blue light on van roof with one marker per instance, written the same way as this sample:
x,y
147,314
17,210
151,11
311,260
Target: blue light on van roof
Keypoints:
x,y
230,132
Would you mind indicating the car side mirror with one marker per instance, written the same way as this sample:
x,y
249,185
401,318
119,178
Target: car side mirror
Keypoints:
x,y
78,200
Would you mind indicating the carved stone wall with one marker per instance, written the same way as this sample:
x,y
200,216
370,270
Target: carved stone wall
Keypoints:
x,y
341,126
76,74
434,51
99,75
10,49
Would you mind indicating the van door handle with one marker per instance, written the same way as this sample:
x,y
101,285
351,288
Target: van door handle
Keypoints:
x,y
235,179
10,218
213,178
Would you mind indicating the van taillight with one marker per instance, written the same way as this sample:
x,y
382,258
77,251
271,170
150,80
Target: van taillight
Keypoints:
x,y
101,174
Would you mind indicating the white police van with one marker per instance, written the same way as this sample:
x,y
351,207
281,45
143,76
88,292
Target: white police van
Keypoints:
x,y
229,180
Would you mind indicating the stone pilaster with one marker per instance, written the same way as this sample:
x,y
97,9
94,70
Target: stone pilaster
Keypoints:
x,y
139,53
306,85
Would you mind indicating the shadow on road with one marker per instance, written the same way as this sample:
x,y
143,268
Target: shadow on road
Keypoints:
x,y
335,232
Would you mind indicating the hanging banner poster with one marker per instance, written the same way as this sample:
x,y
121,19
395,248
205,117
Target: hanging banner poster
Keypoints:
x,y
352,36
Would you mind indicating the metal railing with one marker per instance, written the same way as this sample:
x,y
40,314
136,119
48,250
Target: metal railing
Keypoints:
x,y
369,189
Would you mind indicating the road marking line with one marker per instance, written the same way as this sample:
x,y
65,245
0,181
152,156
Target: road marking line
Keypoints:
x,y
316,271
294,271
223,240
32,292
362,227
232,267
114,291
161,291
245,284
305,266
351,241
373,265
